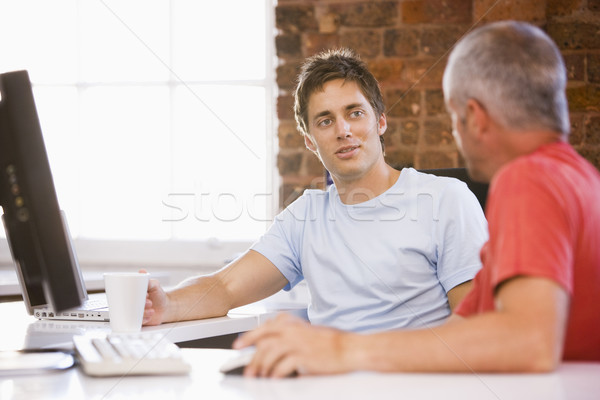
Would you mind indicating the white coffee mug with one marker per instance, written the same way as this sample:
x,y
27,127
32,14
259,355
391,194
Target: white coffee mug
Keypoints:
x,y
126,295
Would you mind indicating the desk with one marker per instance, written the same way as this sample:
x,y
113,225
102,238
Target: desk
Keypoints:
x,y
570,381
23,331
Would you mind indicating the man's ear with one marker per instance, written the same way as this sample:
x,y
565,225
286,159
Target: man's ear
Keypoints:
x,y
477,117
382,124
308,142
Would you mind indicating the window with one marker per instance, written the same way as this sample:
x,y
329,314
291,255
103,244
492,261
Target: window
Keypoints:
x,y
156,115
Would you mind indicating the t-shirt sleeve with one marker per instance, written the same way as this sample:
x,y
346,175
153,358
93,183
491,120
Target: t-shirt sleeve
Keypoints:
x,y
282,242
462,232
477,300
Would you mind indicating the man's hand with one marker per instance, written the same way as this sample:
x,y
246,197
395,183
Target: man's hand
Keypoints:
x,y
288,345
156,303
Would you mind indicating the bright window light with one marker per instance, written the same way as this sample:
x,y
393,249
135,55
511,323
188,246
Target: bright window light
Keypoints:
x,y
156,113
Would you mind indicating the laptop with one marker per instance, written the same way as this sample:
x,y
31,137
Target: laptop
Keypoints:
x,y
94,307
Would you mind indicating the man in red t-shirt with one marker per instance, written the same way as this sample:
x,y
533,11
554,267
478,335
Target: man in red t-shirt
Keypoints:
x,y
536,300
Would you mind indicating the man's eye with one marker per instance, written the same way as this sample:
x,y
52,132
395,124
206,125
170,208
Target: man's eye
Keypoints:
x,y
356,113
325,122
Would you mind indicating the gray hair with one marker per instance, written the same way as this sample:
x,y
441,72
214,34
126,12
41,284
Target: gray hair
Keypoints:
x,y
515,71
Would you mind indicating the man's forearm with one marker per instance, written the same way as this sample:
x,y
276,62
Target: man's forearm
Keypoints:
x,y
520,336
249,278
197,298
454,348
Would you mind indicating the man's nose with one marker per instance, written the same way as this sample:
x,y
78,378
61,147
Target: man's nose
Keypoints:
x,y
343,129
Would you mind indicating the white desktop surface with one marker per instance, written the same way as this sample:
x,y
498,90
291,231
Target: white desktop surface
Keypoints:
x,y
20,330
23,331
570,381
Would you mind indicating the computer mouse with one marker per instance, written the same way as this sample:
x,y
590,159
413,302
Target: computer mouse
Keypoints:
x,y
236,364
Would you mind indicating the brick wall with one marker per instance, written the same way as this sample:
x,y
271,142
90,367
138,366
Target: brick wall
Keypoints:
x,y
406,43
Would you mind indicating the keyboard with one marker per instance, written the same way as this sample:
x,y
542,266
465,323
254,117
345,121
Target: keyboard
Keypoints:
x,y
129,354
94,303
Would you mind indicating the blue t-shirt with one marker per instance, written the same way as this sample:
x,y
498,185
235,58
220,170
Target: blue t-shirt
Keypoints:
x,y
383,264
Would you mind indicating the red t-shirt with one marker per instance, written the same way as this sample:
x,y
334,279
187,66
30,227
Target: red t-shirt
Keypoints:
x,y
543,214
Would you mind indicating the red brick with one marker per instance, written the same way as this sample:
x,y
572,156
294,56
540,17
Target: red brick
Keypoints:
x,y
295,18
403,103
285,107
413,12
593,68
386,70
577,126
400,42
367,14
523,10
562,7
392,134
365,42
400,158
594,5
574,64
584,98
409,132
575,35
401,134
425,73
438,132
436,11
287,74
436,159
434,102
288,46
329,23
311,165
316,42
289,137
448,12
439,40
592,131
289,162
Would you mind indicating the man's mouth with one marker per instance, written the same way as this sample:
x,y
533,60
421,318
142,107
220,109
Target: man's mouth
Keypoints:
x,y
346,149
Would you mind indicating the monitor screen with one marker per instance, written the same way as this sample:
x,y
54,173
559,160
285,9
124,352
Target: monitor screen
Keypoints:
x,y
37,235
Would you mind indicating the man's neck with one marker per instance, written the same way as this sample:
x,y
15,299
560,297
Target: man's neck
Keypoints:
x,y
369,186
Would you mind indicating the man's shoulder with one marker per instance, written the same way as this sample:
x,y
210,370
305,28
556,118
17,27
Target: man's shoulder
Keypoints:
x,y
542,167
317,196
418,180
555,171
309,201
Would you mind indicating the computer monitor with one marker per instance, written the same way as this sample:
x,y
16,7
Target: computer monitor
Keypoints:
x,y
37,235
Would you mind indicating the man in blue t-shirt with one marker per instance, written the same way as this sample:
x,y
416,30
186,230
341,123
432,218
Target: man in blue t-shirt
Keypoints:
x,y
380,249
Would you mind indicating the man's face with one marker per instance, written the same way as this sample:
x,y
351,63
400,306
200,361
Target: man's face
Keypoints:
x,y
463,135
344,130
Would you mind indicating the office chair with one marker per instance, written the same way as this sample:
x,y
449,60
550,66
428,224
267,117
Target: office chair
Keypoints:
x,y
479,189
